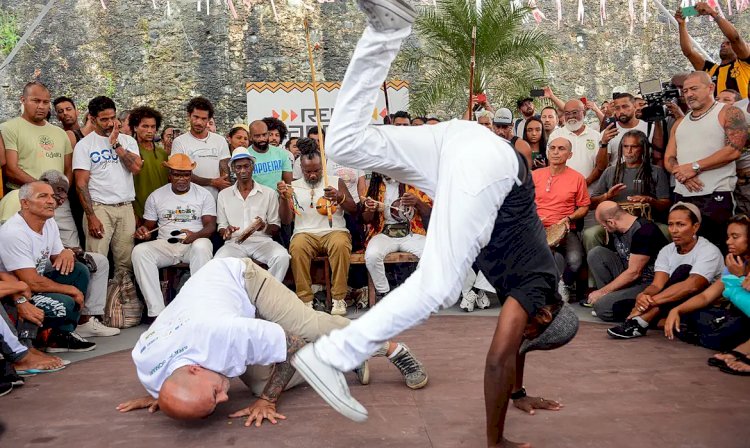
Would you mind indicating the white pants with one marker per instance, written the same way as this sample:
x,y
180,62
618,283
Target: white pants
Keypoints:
x,y
464,167
10,347
149,257
96,295
380,246
263,250
476,280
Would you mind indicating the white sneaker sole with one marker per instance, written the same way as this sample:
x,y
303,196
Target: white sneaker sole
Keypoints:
x,y
308,372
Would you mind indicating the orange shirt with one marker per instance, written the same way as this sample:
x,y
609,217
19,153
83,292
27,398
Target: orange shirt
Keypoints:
x,y
567,192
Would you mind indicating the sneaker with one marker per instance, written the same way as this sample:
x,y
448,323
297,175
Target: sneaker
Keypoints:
x,y
483,302
13,378
67,342
338,308
385,15
328,382
94,328
628,330
564,292
413,370
5,388
363,373
468,301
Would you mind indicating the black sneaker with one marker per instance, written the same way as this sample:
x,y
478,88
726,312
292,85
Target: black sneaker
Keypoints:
x,y
67,342
414,372
628,330
5,388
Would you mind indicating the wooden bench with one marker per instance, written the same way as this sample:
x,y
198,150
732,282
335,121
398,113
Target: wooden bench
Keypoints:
x,y
392,258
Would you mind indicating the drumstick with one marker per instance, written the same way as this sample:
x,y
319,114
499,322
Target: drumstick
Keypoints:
x,y
364,198
158,227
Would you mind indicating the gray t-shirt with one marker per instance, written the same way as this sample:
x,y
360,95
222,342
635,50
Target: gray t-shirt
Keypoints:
x,y
659,181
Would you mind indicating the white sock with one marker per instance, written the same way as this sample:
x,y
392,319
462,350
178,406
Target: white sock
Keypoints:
x,y
641,322
398,349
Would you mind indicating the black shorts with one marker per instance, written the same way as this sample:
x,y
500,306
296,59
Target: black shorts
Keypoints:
x,y
517,261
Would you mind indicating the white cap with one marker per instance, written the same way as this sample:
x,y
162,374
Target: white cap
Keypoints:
x,y
503,116
241,152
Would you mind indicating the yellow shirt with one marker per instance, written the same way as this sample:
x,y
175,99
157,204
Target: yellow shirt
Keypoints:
x,y
735,75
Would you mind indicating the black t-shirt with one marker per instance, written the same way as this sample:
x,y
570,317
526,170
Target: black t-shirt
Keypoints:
x,y
642,238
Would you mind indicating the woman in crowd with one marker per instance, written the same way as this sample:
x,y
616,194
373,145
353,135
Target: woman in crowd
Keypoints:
x,y
533,134
238,136
683,318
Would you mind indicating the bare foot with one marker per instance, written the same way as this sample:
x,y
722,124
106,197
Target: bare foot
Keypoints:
x,y
738,366
33,350
35,361
508,444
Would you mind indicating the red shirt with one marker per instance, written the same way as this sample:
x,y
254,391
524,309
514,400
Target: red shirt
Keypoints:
x,y
567,192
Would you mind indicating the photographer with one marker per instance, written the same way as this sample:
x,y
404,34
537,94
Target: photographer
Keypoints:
x,y
734,70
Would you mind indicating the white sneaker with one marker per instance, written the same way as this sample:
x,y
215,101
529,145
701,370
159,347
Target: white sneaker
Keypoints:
x,y
328,382
483,302
562,289
468,301
388,15
338,308
94,328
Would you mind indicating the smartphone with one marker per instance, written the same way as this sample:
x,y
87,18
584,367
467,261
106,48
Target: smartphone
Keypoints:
x,y
689,11
536,93
609,121
584,100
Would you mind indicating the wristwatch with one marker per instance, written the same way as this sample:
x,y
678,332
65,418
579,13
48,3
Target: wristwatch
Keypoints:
x,y
696,167
21,300
116,145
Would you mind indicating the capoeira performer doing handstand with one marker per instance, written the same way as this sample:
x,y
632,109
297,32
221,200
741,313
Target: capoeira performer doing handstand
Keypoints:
x,y
483,210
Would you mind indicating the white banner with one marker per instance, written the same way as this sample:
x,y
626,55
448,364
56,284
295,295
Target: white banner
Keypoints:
x,y
294,104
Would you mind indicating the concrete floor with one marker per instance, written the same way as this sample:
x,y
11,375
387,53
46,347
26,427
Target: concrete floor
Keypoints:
x,y
646,393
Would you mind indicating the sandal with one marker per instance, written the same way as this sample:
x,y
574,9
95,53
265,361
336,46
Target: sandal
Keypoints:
x,y
726,369
715,362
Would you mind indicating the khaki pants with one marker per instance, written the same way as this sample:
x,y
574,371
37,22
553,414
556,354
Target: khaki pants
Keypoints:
x,y
119,226
336,245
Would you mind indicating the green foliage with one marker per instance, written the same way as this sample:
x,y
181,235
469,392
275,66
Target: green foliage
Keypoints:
x,y
8,32
109,89
509,58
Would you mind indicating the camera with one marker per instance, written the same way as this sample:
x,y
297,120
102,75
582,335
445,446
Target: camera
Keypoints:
x,y
656,95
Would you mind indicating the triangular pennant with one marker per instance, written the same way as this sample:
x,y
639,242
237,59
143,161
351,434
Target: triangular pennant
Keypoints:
x,y
284,115
294,115
274,114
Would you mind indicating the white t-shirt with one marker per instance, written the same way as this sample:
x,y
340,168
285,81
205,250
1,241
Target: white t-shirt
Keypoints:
x,y
23,248
206,153
585,148
210,323
705,259
350,176
179,211
614,144
110,182
391,195
297,168
235,211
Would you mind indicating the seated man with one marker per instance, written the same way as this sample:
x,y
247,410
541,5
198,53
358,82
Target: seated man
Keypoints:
x,y
186,216
683,269
625,268
31,249
629,180
90,323
239,206
187,356
562,197
314,234
398,215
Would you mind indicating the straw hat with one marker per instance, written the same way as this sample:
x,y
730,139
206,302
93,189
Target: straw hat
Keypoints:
x,y
179,162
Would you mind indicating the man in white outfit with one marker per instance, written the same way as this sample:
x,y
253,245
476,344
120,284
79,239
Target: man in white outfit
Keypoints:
x,y
239,206
186,216
488,205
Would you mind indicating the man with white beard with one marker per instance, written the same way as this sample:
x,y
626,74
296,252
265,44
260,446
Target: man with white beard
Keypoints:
x,y
589,157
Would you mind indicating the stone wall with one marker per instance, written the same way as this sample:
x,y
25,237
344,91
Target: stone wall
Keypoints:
x,y
139,55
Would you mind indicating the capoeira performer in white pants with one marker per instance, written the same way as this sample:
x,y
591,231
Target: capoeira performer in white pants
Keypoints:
x,y
486,206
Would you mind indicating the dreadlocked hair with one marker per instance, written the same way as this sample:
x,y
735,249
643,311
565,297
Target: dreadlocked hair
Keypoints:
x,y
644,171
375,182
308,148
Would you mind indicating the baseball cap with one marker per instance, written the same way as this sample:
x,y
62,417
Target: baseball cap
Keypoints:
x,y
503,116
241,152
559,332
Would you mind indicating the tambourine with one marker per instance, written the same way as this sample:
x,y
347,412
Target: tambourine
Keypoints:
x,y
640,209
556,233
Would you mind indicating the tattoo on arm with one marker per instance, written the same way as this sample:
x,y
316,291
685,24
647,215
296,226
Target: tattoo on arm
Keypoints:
x,y
282,372
129,159
735,128
85,197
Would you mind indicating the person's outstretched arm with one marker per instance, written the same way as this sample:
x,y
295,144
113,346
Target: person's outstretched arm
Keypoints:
x,y
740,47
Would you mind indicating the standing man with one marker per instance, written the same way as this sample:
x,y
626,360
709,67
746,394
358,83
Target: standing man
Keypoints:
x,y
526,108
272,163
486,207
734,70
239,206
178,206
624,109
549,120
104,163
210,151
701,155
502,125
589,157
145,122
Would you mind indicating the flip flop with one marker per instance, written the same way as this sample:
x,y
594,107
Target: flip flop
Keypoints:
x,y
729,370
38,371
715,362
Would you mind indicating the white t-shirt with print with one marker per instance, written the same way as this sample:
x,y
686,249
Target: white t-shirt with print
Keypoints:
x,y
205,152
110,182
614,145
585,148
705,259
23,248
350,176
211,323
179,211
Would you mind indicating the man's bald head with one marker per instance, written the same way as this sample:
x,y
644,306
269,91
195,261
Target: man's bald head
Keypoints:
x,y
259,135
562,141
574,105
608,210
258,126
192,392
